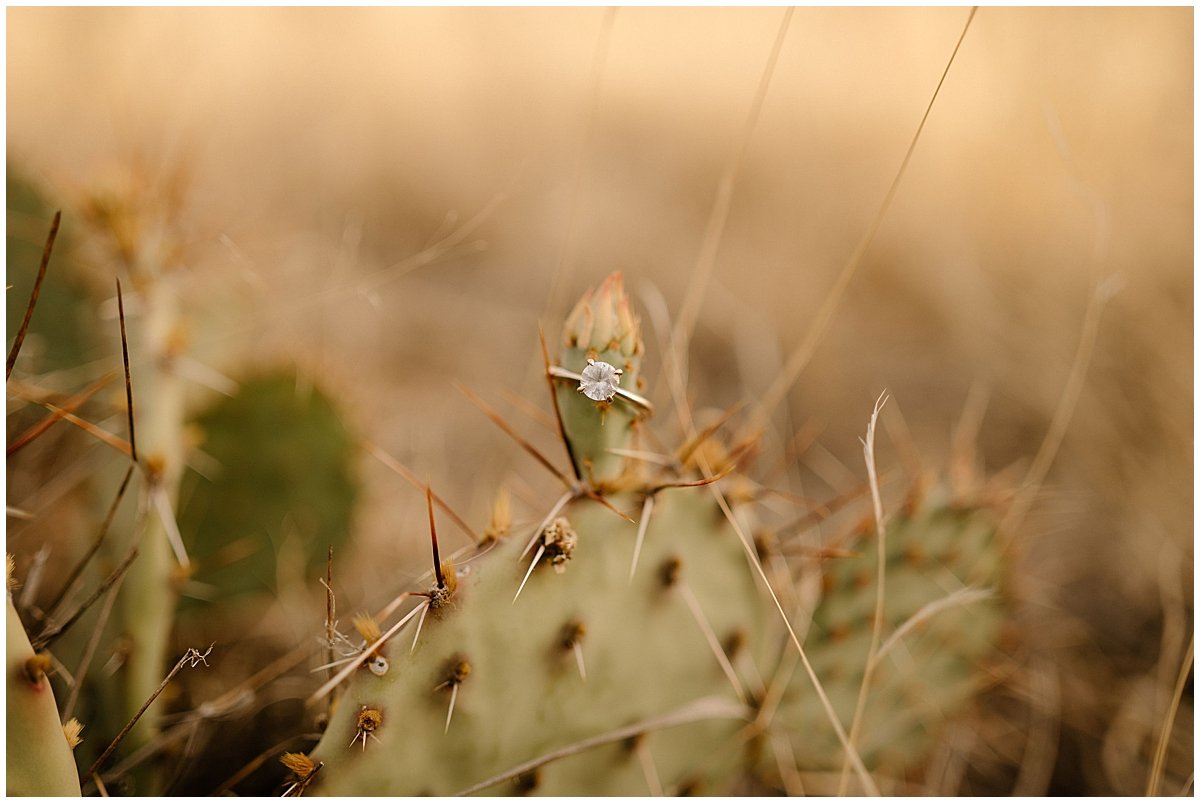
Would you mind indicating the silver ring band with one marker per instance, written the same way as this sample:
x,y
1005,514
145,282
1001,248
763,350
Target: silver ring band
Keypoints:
x,y
635,399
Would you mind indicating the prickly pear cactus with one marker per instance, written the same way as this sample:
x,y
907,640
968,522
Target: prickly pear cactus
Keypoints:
x,y
625,646
942,620
38,750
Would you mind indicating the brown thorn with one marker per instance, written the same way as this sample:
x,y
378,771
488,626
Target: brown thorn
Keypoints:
x,y
411,479
437,561
694,483
33,297
531,410
94,548
51,632
524,444
70,405
595,497
96,432
562,430
128,379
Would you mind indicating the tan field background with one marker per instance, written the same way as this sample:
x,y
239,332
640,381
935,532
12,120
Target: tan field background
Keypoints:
x,y
396,197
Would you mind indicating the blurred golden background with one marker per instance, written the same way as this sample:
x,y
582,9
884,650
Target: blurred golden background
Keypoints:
x,y
396,197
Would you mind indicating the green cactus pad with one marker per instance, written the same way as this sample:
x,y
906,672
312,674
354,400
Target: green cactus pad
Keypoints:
x,y
39,760
643,651
286,469
942,571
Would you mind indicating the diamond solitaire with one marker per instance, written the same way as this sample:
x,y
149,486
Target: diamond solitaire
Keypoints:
x,y
599,380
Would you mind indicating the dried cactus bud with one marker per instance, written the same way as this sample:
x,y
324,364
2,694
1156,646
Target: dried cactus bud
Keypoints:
x,y
603,323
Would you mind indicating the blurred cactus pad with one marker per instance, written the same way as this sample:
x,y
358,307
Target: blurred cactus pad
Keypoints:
x,y
281,468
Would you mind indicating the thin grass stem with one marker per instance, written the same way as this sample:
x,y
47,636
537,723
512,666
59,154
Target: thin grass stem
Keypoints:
x,y
804,351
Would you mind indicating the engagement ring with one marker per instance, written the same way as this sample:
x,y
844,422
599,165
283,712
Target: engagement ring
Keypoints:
x,y
601,381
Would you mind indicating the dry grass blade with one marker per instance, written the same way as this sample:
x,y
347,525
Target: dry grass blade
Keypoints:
x,y
70,405
676,355
1061,420
697,711
880,578
33,297
711,638
566,257
855,760
1160,751
1040,754
804,351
